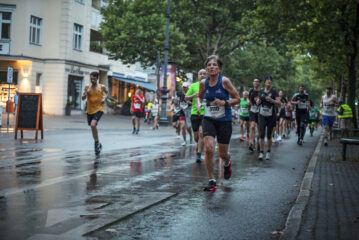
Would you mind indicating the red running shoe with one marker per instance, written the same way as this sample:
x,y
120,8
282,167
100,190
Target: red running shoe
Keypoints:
x,y
211,187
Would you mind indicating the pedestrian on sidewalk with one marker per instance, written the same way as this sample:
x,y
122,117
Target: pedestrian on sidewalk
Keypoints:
x,y
16,100
345,115
96,95
217,122
328,103
137,103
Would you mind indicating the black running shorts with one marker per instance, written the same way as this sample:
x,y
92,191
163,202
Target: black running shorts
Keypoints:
x,y
96,116
253,117
137,114
196,122
266,123
245,119
220,129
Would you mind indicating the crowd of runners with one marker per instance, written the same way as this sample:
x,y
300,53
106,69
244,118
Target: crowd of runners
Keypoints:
x,y
205,111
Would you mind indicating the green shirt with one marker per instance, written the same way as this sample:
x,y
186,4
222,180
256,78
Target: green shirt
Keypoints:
x,y
194,88
313,113
243,108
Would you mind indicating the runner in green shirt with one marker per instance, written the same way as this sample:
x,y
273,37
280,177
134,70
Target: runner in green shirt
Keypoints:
x,y
244,115
197,116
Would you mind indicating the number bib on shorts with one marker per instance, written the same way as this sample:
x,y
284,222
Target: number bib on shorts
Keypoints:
x,y
266,111
302,105
184,105
254,109
214,111
244,110
137,106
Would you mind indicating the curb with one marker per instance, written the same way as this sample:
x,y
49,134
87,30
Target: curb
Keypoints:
x,y
295,216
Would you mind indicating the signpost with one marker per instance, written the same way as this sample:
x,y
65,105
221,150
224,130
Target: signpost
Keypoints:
x,y
10,73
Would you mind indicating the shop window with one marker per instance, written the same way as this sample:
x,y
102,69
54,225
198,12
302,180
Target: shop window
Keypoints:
x,y
74,92
5,24
35,30
77,36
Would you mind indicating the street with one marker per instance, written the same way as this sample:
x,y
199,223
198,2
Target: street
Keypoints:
x,y
142,187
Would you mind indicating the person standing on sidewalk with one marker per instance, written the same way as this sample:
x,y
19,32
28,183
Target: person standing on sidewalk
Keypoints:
x,y
328,103
345,115
244,115
96,95
16,100
217,121
254,94
137,103
197,116
267,115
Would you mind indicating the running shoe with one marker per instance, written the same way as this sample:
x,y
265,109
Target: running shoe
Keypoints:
x,y
134,131
248,138
279,138
326,143
260,156
274,140
268,156
137,131
98,148
227,173
241,138
184,143
198,157
250,148
300,142
211,187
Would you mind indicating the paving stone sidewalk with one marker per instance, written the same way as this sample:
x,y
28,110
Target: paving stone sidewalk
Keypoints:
x,y
333,209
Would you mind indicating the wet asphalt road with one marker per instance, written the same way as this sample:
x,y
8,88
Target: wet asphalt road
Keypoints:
x,y
55,186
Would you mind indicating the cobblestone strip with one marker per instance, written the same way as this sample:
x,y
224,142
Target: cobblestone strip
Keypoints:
x,y
294,219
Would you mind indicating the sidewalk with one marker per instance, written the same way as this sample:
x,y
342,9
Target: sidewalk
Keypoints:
x,y
333,208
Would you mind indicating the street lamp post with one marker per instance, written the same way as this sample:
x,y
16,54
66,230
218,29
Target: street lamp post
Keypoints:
x,y
163,119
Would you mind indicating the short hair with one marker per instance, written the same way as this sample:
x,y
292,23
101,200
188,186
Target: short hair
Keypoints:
x,y
214,57
329,88
260,80
94,74
268,77
301,85
340,102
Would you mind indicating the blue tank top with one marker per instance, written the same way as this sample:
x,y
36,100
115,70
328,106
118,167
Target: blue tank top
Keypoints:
x,y
217,91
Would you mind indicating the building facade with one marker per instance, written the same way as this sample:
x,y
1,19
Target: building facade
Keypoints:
x,y
53,46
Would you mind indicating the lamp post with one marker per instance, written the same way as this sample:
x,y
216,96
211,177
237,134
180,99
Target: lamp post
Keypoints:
x,y
163,119
158,69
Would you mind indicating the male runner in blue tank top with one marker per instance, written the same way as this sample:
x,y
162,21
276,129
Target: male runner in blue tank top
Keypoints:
x,y
217,121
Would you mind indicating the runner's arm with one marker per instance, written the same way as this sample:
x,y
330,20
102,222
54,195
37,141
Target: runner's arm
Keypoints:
x,y
200,96
84,95
236,99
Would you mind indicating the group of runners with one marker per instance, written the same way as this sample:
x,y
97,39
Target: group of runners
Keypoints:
x,y
205,108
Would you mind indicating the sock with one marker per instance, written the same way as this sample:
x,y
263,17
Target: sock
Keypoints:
x,y
262,151
268,150
214,180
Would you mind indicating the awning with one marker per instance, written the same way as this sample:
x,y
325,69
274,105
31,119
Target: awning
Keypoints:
x,y
149,86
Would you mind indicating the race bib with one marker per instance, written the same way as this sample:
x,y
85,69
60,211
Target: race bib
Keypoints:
x,y
244,110
137,106
177,109
183,105
266,111
214,111
312,115
254,109
154,111
302,105
328,109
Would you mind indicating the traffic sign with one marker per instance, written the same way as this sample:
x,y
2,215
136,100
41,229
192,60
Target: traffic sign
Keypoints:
x,y
10,72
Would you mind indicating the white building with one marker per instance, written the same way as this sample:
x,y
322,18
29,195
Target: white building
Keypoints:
x,y
53,46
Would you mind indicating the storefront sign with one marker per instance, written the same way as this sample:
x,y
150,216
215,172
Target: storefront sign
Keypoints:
x,y
10,72
76,70
4,48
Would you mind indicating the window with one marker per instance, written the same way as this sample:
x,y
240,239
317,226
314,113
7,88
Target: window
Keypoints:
x,y
38,79
5,23
77,41
35,30
80,1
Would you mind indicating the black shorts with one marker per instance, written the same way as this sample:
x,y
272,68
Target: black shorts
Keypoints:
x,y
266,123
196,122
137,114
253,117
220,129
246,119
96,116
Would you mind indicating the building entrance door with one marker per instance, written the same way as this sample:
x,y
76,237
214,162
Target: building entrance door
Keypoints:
x,y
74,92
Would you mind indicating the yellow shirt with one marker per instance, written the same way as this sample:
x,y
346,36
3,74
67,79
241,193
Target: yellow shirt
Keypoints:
x,y
94,98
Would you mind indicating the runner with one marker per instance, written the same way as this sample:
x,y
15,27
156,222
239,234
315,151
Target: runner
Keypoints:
x,y
301,100
196,119
254,94
313,119
288,119
328,103
155,110
217,121
137,103
282,117
186,106
96,95
267,116
178,118
244,115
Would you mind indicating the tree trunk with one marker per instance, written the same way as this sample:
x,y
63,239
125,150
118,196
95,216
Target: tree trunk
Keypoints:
x,y
352,82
